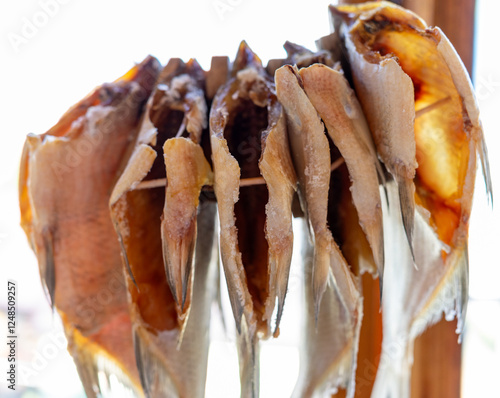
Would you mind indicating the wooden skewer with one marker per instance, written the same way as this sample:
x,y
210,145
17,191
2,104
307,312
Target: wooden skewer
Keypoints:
x,y
160,182
181,128
431,107
244,182
337,163
247,182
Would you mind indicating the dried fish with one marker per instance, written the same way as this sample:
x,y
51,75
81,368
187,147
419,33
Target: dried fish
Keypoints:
x,y
66,178
338,107
383,87
396,59
171,269
248,138
333,305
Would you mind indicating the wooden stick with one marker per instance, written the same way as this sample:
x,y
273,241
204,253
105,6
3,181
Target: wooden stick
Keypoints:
x,y
181,128
160,182
437,362
337,163
244,182
431,107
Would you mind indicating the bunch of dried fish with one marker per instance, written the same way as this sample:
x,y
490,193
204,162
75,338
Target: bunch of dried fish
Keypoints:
x,y
379,163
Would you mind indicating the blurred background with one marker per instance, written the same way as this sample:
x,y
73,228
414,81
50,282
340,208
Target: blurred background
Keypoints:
x,y
53,52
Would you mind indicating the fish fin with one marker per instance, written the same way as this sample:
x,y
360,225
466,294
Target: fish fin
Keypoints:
x,y
124,256
281,289
394,373
218,298
87,370
233,287
155,378
100,375
47,266
245,57
330,339
450,296
406,189
248,354
320,273
178,256
485,166
379,255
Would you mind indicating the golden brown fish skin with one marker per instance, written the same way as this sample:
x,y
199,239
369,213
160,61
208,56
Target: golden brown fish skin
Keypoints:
x,y
248,138
66,178
336,103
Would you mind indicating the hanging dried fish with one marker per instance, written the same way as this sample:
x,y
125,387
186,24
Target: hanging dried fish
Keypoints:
x,y
66,178
382,88
333,306
187,171
170,268
396,59
338,107
248,138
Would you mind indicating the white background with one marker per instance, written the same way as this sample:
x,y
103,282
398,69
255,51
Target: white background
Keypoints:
x,y
49,62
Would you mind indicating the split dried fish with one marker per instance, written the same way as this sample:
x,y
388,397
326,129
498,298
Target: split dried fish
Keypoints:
x,y
333,301
66,179
170,268
399,62
248,138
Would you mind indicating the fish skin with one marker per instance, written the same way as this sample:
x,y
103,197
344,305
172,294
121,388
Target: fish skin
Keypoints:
x,y
448,138
332,297
66,177
252,293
